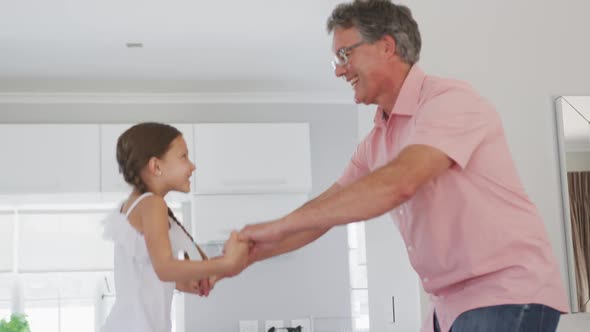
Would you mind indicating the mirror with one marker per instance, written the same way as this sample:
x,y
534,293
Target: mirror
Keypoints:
x,y
573,135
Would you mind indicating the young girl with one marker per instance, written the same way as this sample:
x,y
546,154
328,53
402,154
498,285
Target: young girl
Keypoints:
x,y
153,158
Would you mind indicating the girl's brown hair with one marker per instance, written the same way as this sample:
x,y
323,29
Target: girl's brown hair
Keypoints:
x,y
138,144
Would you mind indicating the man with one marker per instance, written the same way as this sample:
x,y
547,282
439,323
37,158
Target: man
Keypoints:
x,y
437,160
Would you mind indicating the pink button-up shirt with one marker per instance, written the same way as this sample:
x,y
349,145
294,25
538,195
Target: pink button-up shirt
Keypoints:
x,y
472,234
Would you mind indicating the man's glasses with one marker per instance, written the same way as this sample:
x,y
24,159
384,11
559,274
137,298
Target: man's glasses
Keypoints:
x,y
341,56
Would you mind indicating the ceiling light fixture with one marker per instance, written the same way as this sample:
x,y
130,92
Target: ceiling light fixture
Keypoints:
x,y
134,45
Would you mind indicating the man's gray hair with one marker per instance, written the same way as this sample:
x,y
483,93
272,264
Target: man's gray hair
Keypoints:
x,y
377,18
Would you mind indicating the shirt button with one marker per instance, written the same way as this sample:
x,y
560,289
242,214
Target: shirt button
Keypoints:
x,y
401,212
425,279
410,248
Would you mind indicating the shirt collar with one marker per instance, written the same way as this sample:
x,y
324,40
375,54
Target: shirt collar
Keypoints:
x,y
408,98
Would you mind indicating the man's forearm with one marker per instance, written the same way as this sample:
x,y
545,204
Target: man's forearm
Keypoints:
x,y
298,240
291,243
362,200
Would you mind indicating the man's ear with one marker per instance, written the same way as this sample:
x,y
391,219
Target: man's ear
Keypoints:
x,y
389,45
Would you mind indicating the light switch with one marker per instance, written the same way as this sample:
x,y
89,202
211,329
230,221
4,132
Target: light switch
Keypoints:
x,y
248,326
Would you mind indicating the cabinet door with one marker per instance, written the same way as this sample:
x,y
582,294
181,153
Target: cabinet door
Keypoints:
x,y
111,180
215,216
49,158
252,158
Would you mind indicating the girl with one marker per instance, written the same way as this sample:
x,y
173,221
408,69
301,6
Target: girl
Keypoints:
x,y
153,159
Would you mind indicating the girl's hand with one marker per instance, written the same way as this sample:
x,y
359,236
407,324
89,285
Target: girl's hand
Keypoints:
x,y
199,287
235,255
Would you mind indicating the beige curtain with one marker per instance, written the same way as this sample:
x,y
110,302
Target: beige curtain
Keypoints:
x,y
579,194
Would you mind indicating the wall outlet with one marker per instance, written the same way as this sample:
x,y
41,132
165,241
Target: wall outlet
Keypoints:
x,y
248,326
270,323
303,322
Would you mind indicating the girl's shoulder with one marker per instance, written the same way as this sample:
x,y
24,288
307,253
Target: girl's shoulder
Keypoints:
x,y
116,228
148,208
148,202
116,224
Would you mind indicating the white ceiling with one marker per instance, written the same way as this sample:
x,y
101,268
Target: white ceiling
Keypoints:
x,y
576,129
192,45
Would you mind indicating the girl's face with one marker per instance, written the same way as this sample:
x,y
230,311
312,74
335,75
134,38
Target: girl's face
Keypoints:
x,y
176,167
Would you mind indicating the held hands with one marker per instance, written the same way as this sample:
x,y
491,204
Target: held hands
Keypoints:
x,y
239,251
234,260
243,248
235,255
199,287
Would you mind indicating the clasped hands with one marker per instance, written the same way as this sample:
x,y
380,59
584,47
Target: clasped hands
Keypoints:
x,y
239,251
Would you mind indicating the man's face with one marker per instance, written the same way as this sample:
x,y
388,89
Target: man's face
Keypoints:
x,y
363,65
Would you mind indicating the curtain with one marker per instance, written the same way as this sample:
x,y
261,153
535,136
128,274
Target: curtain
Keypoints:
x,y
579,194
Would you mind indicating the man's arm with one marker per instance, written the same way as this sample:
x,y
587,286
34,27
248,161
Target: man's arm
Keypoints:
x,y
293,241
376,193
369,197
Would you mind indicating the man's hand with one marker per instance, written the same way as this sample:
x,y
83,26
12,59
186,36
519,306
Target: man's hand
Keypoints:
x,y
270,231
235,255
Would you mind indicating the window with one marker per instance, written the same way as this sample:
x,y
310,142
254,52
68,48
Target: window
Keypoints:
x,y
77,315
6,281
6,241
61,301
59,260
4,310
70,240
43,315
60,315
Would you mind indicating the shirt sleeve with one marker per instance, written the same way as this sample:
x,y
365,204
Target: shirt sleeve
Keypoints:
x,y
357,167
454,122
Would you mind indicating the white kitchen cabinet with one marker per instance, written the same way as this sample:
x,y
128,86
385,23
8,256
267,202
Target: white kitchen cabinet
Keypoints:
x,y
256,158
215,216
111,180
49,158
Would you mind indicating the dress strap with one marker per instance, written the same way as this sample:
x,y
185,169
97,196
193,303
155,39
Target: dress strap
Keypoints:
x,y
134,204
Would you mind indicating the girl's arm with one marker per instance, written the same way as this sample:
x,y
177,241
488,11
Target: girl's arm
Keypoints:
x,y
200,287
154,221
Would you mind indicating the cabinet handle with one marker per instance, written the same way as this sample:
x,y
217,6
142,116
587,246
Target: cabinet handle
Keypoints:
x,y
393,308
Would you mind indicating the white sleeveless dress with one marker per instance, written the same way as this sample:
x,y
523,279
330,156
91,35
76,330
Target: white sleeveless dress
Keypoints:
x,y
143,302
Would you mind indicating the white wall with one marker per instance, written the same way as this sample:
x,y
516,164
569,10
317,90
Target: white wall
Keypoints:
x,y
577,161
